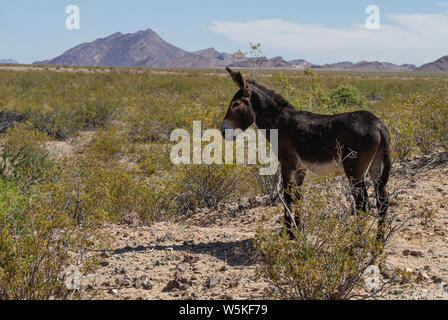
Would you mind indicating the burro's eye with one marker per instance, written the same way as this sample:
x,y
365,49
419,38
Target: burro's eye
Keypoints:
x,y
245,101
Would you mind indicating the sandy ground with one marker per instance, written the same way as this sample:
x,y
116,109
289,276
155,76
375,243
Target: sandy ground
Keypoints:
x,y
208,255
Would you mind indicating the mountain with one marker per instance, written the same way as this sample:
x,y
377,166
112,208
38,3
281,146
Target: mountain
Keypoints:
x,y
11,61
301,64
367,66
219,59
440,65
148,49
140,49
262,63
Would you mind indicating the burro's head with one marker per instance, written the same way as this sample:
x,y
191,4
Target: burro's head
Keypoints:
x,y
240,115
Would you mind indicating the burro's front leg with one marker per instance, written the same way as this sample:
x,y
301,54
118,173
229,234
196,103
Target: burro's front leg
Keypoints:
x,y
292,178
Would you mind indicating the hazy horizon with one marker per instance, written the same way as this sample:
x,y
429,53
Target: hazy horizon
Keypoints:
x,y
319,32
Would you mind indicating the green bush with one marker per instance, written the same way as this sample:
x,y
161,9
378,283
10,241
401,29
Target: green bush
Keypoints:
x,y
23,158
39,239
345,97
430,113
326,261
402,129
109,143
204,186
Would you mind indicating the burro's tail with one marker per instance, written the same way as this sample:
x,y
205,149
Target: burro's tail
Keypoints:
x,y
382,194
387,157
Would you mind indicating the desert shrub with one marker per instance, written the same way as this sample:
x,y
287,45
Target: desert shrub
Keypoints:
x,y
402,129
108,143
62,103
159,200
23,158
313,98
306,95
125,192
329,258
268,185
345,97
152,158
39,239
10,196
316,98
285,87
114,188
430,112
204,186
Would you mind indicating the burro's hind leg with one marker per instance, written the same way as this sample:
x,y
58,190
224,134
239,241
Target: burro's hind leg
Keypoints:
x,y
356,174
380,178
299,178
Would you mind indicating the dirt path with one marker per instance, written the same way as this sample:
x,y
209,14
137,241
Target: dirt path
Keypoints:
x,y
208,256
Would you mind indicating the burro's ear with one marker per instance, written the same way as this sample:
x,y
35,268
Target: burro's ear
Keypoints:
x,y
238,78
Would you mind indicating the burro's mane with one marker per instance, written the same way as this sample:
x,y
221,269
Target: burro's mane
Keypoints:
x,y
271,94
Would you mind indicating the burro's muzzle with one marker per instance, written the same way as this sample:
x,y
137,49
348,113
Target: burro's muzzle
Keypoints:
x,y
228,132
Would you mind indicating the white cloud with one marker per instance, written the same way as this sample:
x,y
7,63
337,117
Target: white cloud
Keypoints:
x,y
407,38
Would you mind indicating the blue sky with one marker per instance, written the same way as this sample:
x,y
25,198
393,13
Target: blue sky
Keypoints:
x,y
319,31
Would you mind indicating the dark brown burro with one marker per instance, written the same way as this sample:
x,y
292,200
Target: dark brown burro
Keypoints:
x,y
355,143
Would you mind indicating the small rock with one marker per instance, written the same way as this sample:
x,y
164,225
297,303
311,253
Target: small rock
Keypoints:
x,y
191,259
397,291
182,267
137,284
183,287
185,280
406,252
233,283
223,268
243,204
132,219
422,276
189,243
107,283
120,270
211,282
416,253
144,282
147,285
104,263
169,236
112,291
436,279
172,285
125,282
106,254
387,271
